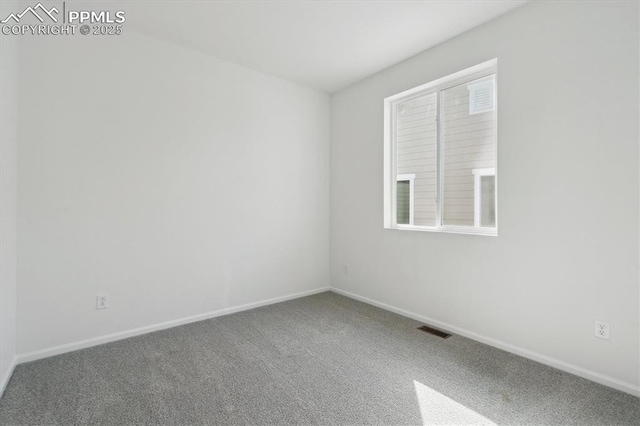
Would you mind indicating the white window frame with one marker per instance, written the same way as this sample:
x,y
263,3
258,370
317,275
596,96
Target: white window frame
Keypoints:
x,y
478,174
390,149
411,177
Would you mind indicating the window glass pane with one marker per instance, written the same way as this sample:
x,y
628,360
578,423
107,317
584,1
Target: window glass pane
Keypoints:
x,y
488,201
416,140
468,143
404,201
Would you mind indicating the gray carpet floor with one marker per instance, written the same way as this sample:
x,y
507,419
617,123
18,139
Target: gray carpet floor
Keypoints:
x,y
323,359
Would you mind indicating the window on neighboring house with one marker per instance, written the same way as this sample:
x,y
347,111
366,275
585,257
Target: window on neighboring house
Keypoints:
x,y
484,203
405,198
441,154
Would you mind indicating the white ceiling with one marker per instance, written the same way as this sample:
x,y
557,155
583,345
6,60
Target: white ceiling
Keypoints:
x,y
326,45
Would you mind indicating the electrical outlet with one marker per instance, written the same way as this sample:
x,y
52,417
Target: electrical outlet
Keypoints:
x,y
102,301
345,269
602,329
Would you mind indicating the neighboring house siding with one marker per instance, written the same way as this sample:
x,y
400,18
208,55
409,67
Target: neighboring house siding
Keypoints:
x,y
416,145
469,143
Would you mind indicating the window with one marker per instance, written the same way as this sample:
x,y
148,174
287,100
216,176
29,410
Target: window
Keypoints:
x,y
405,199
441,154
484,203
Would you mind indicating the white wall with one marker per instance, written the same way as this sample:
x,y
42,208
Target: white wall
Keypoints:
x,y
177,183
8,226
567,253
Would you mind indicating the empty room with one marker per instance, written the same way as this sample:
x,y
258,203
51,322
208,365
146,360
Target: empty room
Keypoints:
x,y
320,212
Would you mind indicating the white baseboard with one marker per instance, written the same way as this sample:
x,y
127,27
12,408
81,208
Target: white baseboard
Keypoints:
x,y
4,381
543,359
560,365
82,344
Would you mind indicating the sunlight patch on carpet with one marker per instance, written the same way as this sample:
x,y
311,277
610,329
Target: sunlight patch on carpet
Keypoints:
x,y
437,409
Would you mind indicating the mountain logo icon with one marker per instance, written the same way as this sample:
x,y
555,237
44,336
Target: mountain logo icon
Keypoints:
x,y
38,11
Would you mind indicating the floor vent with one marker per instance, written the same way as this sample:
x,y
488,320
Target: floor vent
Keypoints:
x,y
434,331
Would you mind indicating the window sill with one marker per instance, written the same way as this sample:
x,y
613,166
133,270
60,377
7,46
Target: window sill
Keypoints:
x,y
491,232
